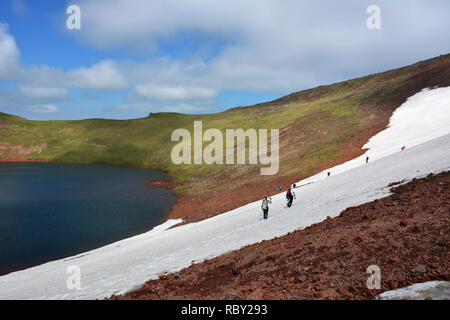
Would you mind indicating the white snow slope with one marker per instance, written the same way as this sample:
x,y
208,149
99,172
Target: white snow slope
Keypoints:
x,y
435,290
422,124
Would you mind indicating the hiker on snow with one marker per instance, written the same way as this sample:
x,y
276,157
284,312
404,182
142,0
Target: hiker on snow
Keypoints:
x,y
290,195
265,206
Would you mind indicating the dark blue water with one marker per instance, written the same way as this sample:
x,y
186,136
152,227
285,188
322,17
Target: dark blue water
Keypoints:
x,y
51,211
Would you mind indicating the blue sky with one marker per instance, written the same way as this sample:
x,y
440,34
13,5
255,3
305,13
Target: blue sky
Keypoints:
x,y
196,56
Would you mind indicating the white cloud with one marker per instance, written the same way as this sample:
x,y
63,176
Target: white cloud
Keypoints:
x,y
44,108
175,93
43,92
44,81
269,45
101,76
258,46
45,84
150,107
9,54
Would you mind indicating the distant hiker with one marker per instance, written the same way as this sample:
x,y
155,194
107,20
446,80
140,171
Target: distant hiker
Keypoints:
x,y
281,188
265,206
290,195
403,148
329,173
367,159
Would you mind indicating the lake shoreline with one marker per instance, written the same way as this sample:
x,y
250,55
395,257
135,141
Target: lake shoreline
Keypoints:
x,y
164,184
95,204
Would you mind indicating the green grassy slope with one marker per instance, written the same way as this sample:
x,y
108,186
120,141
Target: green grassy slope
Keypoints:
x,y
316,127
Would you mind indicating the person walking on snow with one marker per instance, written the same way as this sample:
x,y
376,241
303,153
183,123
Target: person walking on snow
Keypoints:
x,y
290,195
265,206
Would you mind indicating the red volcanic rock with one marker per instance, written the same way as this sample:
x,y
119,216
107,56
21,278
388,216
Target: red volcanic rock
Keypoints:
x,y
329,260
330,294
420,269
394,259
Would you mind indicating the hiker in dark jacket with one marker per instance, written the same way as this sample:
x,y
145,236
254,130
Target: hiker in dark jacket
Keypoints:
x,y
290,195
265,206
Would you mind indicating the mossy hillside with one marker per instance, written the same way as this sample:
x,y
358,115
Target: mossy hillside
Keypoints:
x,y
314,125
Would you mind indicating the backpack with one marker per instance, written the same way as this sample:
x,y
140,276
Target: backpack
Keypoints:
x,y
288,192
264,204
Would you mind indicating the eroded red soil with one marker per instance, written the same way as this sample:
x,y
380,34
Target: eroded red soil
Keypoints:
x,y
19,153
405,234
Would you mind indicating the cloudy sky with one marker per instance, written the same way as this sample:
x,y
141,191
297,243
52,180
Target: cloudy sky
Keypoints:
x,y
132,57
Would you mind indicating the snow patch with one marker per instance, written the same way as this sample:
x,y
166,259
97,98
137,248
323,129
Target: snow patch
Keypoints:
x,y
435,290
423,117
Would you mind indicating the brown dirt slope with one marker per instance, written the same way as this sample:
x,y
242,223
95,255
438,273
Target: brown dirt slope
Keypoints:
x,y
405,234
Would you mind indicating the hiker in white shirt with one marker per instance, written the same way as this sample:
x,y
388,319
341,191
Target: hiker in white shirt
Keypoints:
x,y
265,206
290,195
